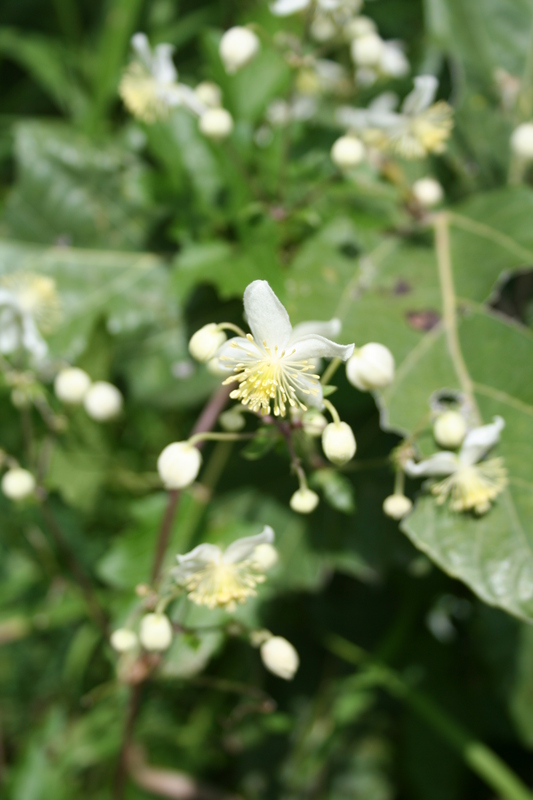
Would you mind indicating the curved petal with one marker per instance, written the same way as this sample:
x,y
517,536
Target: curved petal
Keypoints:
x,y
330,328
266,316
444,463
313,346
242,549
237,350
201,555
282,8
163,68
479,441
141,46
422,95
311,394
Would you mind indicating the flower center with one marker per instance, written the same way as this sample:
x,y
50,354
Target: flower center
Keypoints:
x,y
221,585
269,377
473,487
141,94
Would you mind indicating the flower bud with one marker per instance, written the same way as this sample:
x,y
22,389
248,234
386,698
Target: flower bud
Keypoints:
x,y
265,556
103,401
71,385
179,464
238,47
370,367
338,442
347,152
367,50
522,141
122,640
323,29
428,192
304,501
18,483
359,26
449,429
280,657
205,342
232,420
216,367
209,94
394,62
216,123
397,506
313,423
155,632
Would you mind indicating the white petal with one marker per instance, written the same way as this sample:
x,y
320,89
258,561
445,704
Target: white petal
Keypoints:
x,y
282,8
479,441
329,329
189,98
422,95
313,396
237,351
141,46
267,317
163,67
201,555
354,118
242,549
444,463
386,101
32,340
318,347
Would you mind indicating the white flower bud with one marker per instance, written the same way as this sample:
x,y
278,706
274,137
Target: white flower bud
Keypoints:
x,y
71,385
338,442
216,123
205,342
122,640
367,50
238,47
179,464
232,420
265,556
155,632
313,423
280,657
449,429
522,141
360,26
103,401
323,29
393,61
428,192
216,367
304,501
209,94
370,367
347,152
397,506
18,484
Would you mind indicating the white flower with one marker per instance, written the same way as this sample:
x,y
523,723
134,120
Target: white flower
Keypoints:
x,y
273,365
238,47
216,578
103,401
209,94
216,123
149,86
304,501
71,385
367,50
522,141
397,506
18,483
471,483
449,429
179,464
27,300
280,657
338,442
205,342
347,152
428,192
155,632
371,367
123,640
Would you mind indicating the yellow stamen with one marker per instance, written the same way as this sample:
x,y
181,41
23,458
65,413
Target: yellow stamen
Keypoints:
x,y
473,488
140,94
36,295
221,585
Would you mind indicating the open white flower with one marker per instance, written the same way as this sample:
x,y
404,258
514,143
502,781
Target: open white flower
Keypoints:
x,y
149,86
27,300
420,127
471,483
274,364
222,578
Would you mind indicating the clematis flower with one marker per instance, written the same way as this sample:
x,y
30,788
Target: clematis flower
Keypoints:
x,y
274,365
26,301
420,127
149,86
471,483
221,579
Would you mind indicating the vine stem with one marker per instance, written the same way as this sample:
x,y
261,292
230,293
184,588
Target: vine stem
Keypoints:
x,y
480,758
441,226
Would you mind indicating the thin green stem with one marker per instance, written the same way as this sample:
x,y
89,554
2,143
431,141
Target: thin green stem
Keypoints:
x,y
444,262
480,758
229,326
333,411
219,437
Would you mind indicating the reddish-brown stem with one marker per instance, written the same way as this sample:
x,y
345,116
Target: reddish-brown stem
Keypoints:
x,y
133,709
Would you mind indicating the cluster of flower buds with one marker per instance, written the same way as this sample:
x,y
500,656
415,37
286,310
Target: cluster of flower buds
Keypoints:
x,y
102,400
